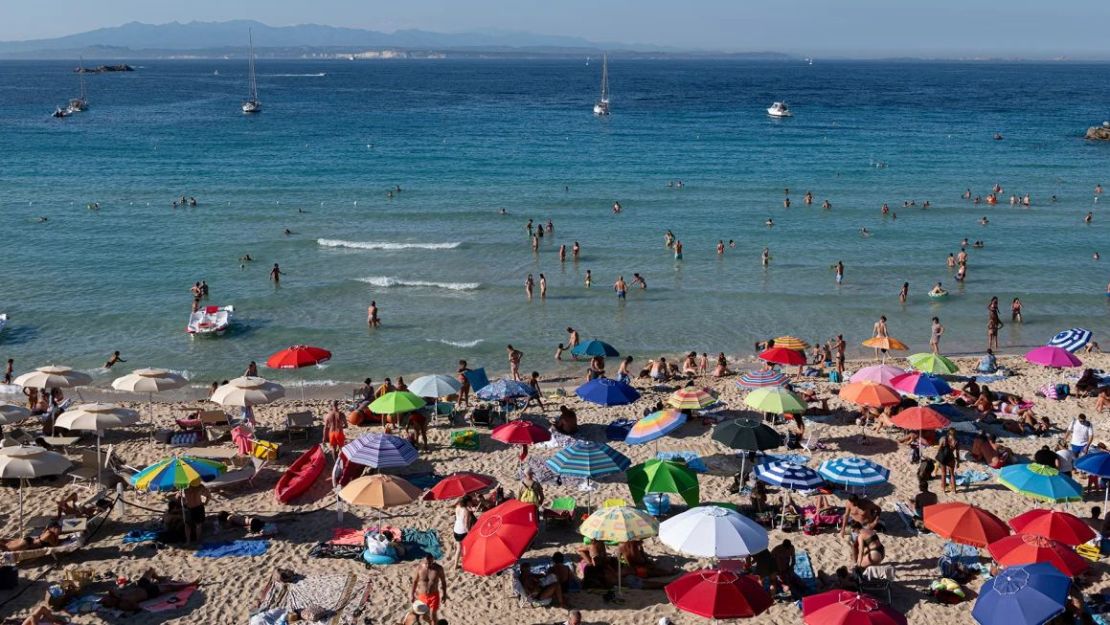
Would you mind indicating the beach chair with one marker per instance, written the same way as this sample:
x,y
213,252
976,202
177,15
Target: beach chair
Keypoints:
x,y
614,503
300,422
16,437
561,510
481,414
812,440
86,470
877,579
239,476
215,424
477,378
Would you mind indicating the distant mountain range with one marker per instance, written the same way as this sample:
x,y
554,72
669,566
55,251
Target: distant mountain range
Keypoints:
x,y
217,39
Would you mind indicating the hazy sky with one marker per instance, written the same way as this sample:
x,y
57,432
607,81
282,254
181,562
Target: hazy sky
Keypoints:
x,y
1026,28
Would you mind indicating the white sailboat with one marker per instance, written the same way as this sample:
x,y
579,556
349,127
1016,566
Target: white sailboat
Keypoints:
x,y
252,104
81,102
601,108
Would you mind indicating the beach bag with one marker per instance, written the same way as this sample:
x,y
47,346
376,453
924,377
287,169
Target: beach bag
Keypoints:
x,y
265,450
834,377
1062,391
528,494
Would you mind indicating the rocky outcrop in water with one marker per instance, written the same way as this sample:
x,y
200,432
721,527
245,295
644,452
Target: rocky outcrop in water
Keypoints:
x,y
1099,133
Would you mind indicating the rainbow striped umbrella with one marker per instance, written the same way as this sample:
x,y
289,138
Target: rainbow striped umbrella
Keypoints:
x,y
655,425
791,342
761,378
176,473
691,398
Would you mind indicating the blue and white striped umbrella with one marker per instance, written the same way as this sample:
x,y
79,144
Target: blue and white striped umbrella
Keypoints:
x,y
380,451
761,378
587,459
853,471
788,475
500,390
1072,339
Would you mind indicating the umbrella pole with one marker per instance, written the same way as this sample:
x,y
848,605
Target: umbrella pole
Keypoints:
x,y
98,462
21,527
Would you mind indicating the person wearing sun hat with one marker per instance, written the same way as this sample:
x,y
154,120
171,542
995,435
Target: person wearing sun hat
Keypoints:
x,y
418,613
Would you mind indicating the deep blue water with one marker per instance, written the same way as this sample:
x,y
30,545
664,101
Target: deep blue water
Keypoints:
x,y
466,138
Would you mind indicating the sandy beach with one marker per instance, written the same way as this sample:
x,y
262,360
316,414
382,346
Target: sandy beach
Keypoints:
x,y
230,587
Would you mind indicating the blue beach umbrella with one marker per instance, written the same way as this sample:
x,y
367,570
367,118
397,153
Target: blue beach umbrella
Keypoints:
x,y
587,459
1040,482
380,451
853,471
607,392
789,475
1072,339
1097,463
761,378
593,347
1022,595
500,390
921,384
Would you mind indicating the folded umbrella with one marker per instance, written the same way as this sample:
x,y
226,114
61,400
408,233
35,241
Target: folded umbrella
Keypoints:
x,y
718,594
1029,548
499,537
1054,525
1022,595
607,392
964,523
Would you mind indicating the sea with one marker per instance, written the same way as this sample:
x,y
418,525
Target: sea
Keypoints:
x,y
466,139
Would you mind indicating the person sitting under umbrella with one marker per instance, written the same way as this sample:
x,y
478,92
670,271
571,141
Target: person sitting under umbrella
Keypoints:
x,y
923,498
1087,383
541,589
597,568
639,562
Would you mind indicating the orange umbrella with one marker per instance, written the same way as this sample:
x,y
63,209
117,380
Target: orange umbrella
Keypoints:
x,y
499,537
965,524
869,394
791,342
920,418
886,343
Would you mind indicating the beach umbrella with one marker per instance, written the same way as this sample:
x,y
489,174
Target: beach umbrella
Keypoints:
x,y
761,378
788,475
886,343
1096,463
1072,339
1054,357
841,607
869,394
379,492
1022,595
520,432
10,414
298,356
853,471
594,347
499,537
920,418
438,385
177,473
396,402
783,356
718,594
1029,548
587,460
619,524
607,392
928,362
1040,482
791,342
458,484
921,385
504,389
53,376
713,532
380,451
964,523
879,374
26,462
1054,525
747,435
248,391
96,418
655,426
663,476
149,381
775,399
691,398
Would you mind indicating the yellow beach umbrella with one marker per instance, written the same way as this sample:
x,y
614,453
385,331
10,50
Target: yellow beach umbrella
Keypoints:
x,y
791,342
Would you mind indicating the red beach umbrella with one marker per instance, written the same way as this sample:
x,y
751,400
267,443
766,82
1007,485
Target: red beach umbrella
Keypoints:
x,y
840,607
499,537
298,356
1054,525
920,418
1028,548
783,356
719,594
965,524
520,432
458,484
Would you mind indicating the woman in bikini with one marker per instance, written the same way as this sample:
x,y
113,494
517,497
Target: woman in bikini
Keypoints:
x,y
869,549
948,458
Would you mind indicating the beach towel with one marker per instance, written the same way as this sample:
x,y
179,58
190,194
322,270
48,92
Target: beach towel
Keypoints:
x,y
421,542
971,476
331,592
85,603
169,600
140,536
558,440
990,378
540,471
803,568
348,536
233,549
907,515
338,552
693,461
422,481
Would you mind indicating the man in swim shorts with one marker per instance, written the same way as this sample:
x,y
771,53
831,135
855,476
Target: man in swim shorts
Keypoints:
x,y
620,287
429,585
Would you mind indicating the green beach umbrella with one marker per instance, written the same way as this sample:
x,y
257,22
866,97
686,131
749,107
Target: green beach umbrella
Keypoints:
x,y
932,363
396,402
775,399
663,476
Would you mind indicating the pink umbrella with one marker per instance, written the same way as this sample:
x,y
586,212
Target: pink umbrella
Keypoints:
x,y
879,374
1051,356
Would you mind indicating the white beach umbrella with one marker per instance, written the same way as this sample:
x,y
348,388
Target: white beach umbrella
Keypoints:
x,y
149,381
53,376
248,391
713,532
96,418
26,462
10,413
435,386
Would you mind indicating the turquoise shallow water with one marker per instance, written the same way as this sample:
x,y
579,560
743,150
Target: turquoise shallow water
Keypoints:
x,y
464,139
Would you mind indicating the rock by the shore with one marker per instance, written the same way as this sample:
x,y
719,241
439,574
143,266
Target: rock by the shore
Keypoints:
x,y
1099,133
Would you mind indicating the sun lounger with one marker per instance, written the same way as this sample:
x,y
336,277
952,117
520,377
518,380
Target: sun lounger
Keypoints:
x,y
222,454
561,509
244,475
69,545
300,423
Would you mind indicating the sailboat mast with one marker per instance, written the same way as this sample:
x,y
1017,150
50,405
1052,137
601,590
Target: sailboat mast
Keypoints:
x,y
253,86
605,77
81,77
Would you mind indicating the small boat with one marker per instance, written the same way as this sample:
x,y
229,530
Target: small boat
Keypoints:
x,y
210,320
779,109
252,104
301,475
79,104
601,107
60,112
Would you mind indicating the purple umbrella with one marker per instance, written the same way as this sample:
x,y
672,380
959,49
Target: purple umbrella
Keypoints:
x,y
380,451
1051,356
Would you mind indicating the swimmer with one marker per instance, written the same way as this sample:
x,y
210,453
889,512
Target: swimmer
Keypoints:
x,y
983,220
245,258
904,293
839,271
766,256
638,280
1088,218
1095,256
808,198
864,232
502,211
616,207
288,232
938,290
42,219
113,359
589,279
827,205
786,203
720,247
732,244
951,262
770,223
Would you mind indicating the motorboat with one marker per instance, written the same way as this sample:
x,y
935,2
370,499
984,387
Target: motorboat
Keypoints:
x,y
779,109
60,112
252,104
210,320
601,107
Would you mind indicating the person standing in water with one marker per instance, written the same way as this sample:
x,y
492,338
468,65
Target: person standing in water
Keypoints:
x,y
638,280
372,319
766,257
904,293
935,334
275,274
620,287
543,287
528,284
563,253
677,250
589,279
515,356
575,250
839,271
1015,311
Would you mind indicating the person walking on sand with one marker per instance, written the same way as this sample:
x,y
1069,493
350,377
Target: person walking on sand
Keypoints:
x,y
372,319
515,356
275,274
935,334
429,585
334,424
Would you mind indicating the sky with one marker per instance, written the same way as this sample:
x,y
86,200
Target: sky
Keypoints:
x,y
852,28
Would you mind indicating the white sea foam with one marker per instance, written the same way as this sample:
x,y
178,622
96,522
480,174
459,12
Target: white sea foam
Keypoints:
x,y
474,343
387,245
316,75
388,282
